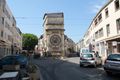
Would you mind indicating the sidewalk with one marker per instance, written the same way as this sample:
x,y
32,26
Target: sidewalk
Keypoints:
x,y
39,73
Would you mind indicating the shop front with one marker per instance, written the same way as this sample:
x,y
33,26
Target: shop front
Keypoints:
x,y
113,46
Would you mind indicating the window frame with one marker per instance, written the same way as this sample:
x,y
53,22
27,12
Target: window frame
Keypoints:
x,y
101,32
117,7
106,13
108,29
96,22
100,17
118,25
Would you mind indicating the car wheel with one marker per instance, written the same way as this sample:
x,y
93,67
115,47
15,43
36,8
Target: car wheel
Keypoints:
x,y
81,65
108,73
95,65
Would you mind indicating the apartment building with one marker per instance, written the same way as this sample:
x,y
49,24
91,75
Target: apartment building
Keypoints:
x,y
103,34
40,47
69,46
80,45
10,35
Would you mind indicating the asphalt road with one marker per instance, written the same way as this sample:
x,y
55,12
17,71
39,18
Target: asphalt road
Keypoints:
x,y
68,69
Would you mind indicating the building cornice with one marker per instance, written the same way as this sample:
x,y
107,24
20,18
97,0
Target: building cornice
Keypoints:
x,y
110,1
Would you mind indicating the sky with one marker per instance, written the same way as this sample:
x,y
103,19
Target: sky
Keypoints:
x,y
78,14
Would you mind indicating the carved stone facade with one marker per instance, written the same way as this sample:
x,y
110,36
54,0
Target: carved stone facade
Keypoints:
x,y
54,33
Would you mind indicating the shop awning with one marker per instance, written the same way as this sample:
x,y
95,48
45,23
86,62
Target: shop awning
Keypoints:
x,y
116,38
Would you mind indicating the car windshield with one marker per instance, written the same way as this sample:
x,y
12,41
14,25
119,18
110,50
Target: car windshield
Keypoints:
x,y
85,51
87,55
20,57
114,57
9,59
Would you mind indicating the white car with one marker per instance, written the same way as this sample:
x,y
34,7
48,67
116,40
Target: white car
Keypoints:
x,y
90,59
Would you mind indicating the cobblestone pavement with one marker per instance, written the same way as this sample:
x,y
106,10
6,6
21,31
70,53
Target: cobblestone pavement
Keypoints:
x,y
68,69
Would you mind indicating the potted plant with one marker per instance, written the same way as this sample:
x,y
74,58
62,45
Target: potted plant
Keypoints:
x,y
32,71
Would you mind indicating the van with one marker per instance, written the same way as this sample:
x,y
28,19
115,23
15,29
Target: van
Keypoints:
x,y
84,50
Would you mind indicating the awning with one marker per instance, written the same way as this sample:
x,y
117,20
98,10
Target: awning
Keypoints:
x,y
117,38
2,43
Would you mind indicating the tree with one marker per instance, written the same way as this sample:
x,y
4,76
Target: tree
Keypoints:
x,y
29,41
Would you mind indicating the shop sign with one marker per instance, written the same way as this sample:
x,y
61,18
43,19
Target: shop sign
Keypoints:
x,y
114,43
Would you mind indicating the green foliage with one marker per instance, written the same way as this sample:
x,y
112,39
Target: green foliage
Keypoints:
x,y
31,68
29,41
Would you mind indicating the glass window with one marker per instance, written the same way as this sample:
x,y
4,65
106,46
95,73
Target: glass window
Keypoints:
x,y
117,4
106,12
87,55
114,57
118,25
100,17
3,20
95,22
96,34
1,33
101,32
108,29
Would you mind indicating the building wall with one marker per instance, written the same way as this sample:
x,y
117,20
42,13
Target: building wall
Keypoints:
x,y
40,47
54,29
69,46
103,42
80,45
8,31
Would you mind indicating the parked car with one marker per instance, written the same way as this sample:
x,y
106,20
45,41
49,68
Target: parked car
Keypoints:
x,y
89,58
36,55
23,60
112,64
13,59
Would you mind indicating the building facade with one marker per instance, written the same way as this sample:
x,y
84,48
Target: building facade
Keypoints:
x,y
103,34
10,35
80,45
69,46
40,49
54,33
53,41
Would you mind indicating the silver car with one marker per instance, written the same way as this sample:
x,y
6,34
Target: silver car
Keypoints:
x,y
87,59
112,64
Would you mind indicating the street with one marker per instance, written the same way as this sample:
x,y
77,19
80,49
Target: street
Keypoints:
x,y
68,69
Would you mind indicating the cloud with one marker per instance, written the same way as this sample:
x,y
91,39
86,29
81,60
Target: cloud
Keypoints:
x,y
98,6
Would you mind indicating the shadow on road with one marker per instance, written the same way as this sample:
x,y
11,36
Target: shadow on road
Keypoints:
x,y
57,69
